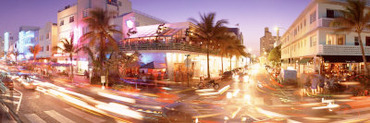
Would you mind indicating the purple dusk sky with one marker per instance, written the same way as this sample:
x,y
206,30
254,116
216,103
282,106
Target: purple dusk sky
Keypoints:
x,y
251,15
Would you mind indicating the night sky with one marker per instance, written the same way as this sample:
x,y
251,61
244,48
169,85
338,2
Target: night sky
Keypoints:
x,y
251,15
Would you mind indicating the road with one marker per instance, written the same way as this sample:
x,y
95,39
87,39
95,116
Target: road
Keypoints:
x,y
38,107
60,101
253,97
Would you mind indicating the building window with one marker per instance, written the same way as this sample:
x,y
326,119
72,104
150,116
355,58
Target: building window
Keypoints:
x,y
42,48
71,19
367,41
329,13
85,13
341,40
295,32
304,43
356,41
47,47
47,36
330,39
61,23
312,17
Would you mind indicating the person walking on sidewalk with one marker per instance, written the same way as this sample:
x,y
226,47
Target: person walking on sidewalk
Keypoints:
x,y
315,80
86,74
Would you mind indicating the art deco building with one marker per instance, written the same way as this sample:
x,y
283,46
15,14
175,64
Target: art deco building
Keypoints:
x,y
70,23
311,43
167,49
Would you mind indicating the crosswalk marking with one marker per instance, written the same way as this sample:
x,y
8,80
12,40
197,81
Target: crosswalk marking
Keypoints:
x,y
34,118
58,117
84,115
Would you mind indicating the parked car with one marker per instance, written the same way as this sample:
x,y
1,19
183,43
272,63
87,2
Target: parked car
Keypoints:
x,y
227,75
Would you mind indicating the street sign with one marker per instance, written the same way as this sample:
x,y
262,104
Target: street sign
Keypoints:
x,y
102,79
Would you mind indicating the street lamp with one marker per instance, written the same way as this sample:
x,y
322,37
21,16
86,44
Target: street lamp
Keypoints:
x,y
187,63
277,29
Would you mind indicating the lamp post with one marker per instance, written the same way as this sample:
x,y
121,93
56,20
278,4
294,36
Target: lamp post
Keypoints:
x,y
187,63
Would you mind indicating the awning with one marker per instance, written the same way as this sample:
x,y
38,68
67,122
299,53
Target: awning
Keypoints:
x,y
284,61
304,60
344,59
154,65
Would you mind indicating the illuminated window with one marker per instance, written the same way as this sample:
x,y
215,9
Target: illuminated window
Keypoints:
x,y
71,19
332,39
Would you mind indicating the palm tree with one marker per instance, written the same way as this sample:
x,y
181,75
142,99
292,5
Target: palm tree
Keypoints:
x,y
35,50
234,48
206,32
68,47
223,46
100,34
354,18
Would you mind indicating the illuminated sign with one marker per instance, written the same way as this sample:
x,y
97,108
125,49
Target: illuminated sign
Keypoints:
x,y
129,24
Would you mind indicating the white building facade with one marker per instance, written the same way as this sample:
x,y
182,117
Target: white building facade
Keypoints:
x,y
48,38
70,23
311,43
27,37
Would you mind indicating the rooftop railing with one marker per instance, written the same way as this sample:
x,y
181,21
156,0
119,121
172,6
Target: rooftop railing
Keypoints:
x,y
67,7
165,46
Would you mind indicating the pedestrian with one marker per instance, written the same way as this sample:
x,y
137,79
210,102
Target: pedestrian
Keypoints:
x,y
315,80
86,74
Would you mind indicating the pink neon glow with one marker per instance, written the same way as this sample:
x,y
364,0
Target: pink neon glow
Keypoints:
x,y
77,33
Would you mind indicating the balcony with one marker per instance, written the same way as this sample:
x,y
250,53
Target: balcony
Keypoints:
x,y
324,22
167,46
346,50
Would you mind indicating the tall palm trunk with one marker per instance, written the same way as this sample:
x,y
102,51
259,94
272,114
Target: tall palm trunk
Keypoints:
x,y
363,53
208,74
102,59
71,59
222,63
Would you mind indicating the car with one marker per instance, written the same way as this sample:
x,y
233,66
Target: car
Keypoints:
x,y
227,75
8,83
27,82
